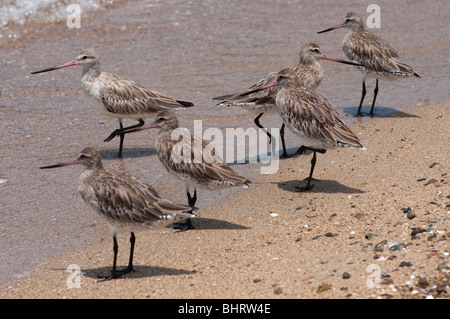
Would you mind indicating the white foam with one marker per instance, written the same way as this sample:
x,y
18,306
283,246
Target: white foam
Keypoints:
x,y
22,11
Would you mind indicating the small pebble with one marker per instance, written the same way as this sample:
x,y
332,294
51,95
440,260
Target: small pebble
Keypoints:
x,y
417,230
434,203
369,236
346,275
323,287
391,257
278,291
405,264
410,215
431,181
422,283
406,210
358,215
394,246
379,246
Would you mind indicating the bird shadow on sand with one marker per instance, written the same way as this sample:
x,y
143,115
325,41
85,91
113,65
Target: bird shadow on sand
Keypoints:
x,y
319,186
208,223
140,271
379,112
112,154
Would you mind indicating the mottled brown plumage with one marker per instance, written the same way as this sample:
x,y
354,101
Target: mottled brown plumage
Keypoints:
x,y
311,117
196,163
376,55
190,158
309,73
116,96
125,202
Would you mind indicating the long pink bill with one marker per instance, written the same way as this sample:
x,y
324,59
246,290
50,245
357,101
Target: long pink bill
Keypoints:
x,y
73,162
138,129
65,65
326,57
341,25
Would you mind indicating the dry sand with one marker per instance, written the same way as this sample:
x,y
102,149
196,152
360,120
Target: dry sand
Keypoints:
x,y
241,250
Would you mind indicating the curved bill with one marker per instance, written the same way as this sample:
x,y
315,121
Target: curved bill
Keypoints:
x,y
65,65
332,28
326,57
73,162
137,129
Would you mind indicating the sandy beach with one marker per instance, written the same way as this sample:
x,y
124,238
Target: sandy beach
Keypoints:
x,y
330,242
375,225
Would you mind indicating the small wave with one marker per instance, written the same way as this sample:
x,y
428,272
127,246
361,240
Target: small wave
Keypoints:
x,y
23,11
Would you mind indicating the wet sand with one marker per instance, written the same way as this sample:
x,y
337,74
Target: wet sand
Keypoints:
x,y
194,51
240,250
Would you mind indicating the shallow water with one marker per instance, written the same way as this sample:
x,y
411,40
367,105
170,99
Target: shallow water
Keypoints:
x,y
189,50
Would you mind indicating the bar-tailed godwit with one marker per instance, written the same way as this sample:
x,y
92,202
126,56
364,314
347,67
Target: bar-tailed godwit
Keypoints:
x,y
309,73
116,96
376,55
191,159
125,202
312,117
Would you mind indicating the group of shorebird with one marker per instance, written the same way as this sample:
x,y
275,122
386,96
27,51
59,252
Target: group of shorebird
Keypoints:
x,y
127,203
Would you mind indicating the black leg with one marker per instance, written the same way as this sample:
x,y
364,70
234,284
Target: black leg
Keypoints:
x,y
122,130
358,113
313,164
256,120
183,226
114,269
375,93
301,149
114,272
122,137
130,262
192,200
285,153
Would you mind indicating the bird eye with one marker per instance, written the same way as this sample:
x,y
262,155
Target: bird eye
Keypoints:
x,y
84,57
316,50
